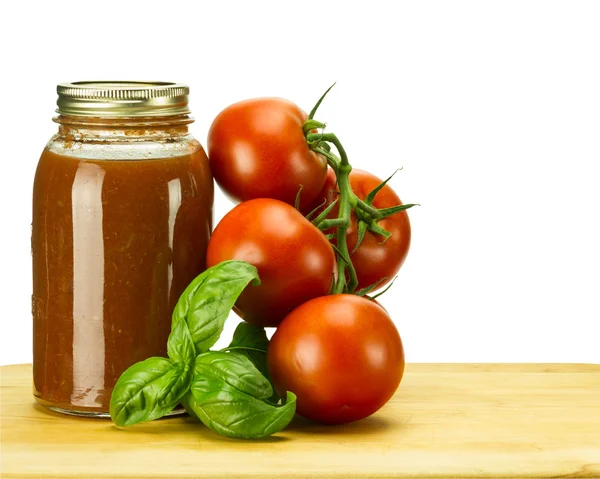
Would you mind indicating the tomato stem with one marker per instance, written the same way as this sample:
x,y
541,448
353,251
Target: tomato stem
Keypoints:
x,y
331,223
332,160
347,201
372,211
344,263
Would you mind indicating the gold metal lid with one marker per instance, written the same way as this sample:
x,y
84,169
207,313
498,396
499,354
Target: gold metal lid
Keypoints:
x,y
122,99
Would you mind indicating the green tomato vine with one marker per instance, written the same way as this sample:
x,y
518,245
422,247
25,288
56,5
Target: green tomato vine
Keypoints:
x,y
367,215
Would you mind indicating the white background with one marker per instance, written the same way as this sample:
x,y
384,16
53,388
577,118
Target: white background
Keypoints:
x,y
492,108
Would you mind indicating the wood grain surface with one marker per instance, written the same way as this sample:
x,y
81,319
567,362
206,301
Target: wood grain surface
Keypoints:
x,y
446,420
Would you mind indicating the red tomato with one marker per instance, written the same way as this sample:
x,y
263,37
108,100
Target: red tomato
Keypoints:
x,y
295,261
372,260
257,150
340,354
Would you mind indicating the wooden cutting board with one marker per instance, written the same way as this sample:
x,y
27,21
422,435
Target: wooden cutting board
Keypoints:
x,y
446,420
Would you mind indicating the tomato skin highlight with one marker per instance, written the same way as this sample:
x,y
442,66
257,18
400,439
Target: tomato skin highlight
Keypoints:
x,y
257,149
372,260
340,354
295,261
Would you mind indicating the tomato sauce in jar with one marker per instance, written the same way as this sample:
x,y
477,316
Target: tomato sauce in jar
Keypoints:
x,y
122,215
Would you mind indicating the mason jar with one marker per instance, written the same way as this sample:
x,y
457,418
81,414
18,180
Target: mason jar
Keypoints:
x,y
122,215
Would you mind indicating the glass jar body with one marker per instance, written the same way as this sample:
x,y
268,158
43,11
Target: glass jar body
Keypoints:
x,y
122,215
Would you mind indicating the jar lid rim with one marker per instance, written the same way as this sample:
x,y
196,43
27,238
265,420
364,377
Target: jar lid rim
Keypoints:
x,y
122,98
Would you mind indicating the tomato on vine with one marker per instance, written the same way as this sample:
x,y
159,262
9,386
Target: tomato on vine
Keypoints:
x,y
257,149
376,257
340,354
295,262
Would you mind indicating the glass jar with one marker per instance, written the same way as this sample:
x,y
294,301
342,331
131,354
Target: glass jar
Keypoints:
x,y
122,215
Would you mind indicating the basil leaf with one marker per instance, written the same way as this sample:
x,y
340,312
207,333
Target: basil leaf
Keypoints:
x,y
233,412
252,342
206,302
149,390
185,402
235,370
248,335
180,346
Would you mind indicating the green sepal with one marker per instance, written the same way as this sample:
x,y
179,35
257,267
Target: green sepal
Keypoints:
x,y
325,212
385,212
367,289
326,146
340,254
375,228
310,125
371,196
316,107
385,290
297,202
315,211
362,229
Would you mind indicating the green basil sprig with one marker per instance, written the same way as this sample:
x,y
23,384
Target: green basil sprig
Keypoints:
x,y
227,390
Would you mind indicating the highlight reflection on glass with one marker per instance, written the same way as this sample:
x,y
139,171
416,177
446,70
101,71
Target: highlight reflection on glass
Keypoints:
x,y
174,188
88,285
